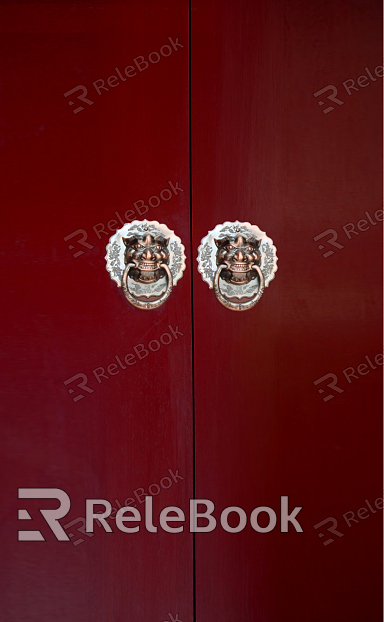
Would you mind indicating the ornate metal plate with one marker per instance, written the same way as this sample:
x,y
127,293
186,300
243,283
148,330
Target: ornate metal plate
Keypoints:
x,y
237,286
147,280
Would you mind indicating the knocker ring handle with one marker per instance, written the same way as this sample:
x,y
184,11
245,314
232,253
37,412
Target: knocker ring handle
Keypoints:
x,y
141,304
239,306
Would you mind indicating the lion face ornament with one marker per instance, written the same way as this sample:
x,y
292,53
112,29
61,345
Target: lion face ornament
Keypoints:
x,y
239,255
238,261
145,259
147,253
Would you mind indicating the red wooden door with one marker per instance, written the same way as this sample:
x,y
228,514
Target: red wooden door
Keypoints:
x,y
264,152
231,407
80,165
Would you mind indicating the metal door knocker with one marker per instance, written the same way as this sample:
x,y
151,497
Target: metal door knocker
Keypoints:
x,y
238,261
145,259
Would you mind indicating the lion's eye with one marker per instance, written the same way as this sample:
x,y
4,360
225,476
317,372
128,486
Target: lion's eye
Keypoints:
x,y
229,247
158,248
139,246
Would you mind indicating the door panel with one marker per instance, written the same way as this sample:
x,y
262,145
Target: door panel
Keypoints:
x,y
264,152
67,172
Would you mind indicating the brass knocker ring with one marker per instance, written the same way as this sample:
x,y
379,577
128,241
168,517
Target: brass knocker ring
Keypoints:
x,y
239,306
141,304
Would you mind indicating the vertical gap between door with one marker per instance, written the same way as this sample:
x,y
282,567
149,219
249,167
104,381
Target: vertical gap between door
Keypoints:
x,y
192,318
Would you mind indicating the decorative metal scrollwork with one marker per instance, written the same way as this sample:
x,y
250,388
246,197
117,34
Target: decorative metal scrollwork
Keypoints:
x,y
146,259
238,261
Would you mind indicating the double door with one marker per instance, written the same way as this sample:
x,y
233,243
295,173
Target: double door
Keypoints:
x,y
193,116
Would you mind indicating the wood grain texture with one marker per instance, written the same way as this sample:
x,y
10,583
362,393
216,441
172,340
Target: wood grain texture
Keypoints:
x,y
63,315
264,152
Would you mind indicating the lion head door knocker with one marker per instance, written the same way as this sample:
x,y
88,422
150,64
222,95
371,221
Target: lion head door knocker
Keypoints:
x,y
145,259
238,261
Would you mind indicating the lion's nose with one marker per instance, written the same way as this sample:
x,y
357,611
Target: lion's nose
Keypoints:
x,y
239,256
147,254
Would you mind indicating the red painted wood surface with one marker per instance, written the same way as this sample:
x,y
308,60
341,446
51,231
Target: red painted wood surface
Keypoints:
x,y
63,315
263,151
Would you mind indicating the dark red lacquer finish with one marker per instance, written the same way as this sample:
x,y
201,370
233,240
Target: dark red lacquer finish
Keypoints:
x,y
232,409
62,172
264,152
